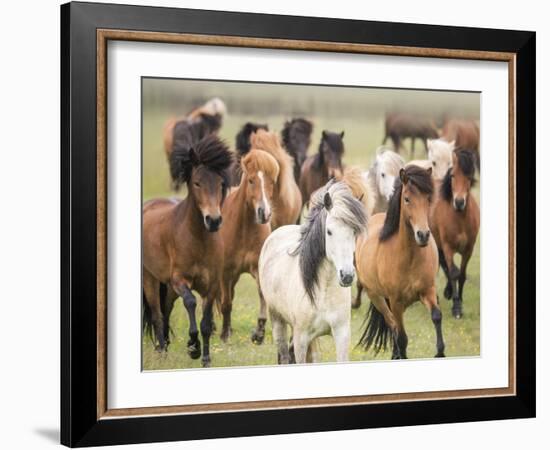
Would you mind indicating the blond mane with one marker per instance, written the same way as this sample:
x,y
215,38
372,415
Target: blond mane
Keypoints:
x,y
354,179
256,161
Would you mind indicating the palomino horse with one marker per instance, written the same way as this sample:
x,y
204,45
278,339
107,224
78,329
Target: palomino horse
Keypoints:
x,y
440,158
181,249
454,222
296,137
305,274
324,165
381,176
465,133
400,125
397,263
242,146
247,212
287,200
188,130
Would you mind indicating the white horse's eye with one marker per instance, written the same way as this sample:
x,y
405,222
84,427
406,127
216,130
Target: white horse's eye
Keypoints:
x,y
433,162
329,232
383,175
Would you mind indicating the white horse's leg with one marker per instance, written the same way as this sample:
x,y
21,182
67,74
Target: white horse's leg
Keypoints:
x,y
301,344
313,352
279,330
342,335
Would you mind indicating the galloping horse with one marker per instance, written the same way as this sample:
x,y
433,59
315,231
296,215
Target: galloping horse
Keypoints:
x,y
242,146
397,263
440,158
247,212
287,200
182,250
305,274
381,176
454,222
188,130
324,165
296,137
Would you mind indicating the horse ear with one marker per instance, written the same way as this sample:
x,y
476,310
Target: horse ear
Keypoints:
x,y
324,134
193,157
403,176
327,201
342,135
453,143
429,170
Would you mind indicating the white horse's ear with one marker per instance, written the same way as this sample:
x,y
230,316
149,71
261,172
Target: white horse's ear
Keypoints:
x,y
452,143
429,170
327,201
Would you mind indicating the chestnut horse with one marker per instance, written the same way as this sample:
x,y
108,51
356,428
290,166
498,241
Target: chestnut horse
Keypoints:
x,y
181,249
296,136
324,165
454,222
287,200
465,133
401,125
242,146
247,212
397,263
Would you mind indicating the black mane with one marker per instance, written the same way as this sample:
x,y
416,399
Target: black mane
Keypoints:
x,y
242,140
419,178
210,152
467,164
334,142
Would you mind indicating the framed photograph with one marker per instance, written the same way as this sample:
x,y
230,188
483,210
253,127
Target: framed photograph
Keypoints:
x,y
277,224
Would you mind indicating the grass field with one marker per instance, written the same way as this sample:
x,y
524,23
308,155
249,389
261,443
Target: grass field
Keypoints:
x,y
362,137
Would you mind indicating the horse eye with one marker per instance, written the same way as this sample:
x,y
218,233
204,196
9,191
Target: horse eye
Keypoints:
x,y
197,184
329,232
406,199
251,181
383,175
433,163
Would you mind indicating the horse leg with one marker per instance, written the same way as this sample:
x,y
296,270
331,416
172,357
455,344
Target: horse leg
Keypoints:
x,y
453,278
206,328
342,336
151,289
258,334
279,330
431,302
190,304
462,279
448,292
227,306
301,343
313,352
396,142
169,302
401,340
382,305
413,140
356,303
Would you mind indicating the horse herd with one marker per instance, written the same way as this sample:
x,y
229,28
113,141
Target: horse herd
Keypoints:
x,y
390,228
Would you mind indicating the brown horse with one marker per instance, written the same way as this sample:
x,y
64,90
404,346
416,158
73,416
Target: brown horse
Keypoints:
x,y
399,126
247,212
454,222
242,147
397,263
465,133
287,200
181,249
324,165
296,137
188,130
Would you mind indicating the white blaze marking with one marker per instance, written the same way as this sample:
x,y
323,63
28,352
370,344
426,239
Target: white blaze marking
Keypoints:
x,y
264,199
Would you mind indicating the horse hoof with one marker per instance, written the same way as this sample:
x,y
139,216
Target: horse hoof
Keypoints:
x,y
439,355
194,349
356,305
257,337
206,361
225,335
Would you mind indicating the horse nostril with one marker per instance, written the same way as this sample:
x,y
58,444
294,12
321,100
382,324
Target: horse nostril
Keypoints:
x,y
208,219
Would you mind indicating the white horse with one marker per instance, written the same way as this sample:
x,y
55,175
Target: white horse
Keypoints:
x,y
306,272
381,176
440,158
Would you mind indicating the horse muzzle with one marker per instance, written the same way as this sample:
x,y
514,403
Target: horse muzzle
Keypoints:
x,y
346,278
459,204
422,237
263,215
212,224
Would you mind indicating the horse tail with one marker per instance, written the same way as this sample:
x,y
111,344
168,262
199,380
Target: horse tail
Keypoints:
x,y
146,318
376,332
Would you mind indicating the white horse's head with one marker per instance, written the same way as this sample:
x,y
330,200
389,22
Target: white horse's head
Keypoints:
x,y
440,154
345,219
386,169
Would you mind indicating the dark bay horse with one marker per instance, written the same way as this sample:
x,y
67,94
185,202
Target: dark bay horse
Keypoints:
x,y
400,125
182,250
187,131
454,222
397,263
242,147
324,165
296,138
